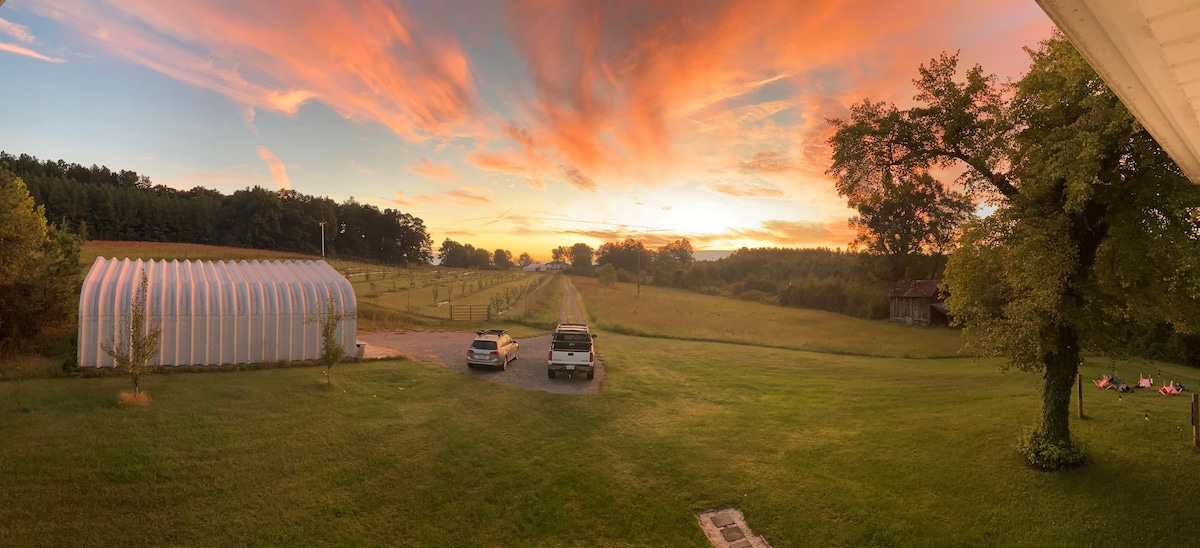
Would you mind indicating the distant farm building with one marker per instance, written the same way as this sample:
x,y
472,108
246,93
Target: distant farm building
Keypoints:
x,y
546,267
918,302
216,313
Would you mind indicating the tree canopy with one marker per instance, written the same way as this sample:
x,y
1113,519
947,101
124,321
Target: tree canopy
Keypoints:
x,y
1095,231
39,265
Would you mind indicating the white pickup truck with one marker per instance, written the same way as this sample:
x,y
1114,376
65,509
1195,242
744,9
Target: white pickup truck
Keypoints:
x,y
572,351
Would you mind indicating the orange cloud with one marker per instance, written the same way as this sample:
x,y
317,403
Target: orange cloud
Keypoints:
x,y
430,170
578,180
766,161
798,233
278,170
744,190
655,88
366,59
468,196
400,200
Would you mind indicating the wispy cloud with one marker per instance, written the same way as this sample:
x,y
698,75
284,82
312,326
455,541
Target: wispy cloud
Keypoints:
x,y
468,196
744,190
578,180
797,233
278,170
430,170
19,32
13,48
766,161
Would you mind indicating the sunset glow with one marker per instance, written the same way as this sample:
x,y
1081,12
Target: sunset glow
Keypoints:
x,y
522,124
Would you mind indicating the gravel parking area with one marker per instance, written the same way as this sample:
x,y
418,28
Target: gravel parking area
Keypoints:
x,y
449,348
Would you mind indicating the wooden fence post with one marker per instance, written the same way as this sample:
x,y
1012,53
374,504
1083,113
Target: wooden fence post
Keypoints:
x,y
1079,381
1195,420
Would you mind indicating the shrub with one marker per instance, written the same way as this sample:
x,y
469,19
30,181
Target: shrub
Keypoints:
x,y
1043,455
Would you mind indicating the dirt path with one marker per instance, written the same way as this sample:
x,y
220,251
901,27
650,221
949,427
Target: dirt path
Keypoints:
x,y
449,348
570,308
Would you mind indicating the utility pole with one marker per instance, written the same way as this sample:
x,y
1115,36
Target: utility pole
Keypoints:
x,y
322,223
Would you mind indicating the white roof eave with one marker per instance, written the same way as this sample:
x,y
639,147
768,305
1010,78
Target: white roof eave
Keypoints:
x,y
1143,56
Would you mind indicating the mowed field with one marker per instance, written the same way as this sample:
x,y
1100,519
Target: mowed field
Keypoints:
x,y
675,313
860,447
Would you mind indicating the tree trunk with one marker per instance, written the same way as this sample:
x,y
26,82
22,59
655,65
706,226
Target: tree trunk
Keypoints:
x,y
1062,364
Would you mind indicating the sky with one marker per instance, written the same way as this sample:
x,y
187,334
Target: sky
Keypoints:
x,y
513,124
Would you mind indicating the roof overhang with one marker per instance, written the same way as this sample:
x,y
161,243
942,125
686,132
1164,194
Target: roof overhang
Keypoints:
x,y
1148,51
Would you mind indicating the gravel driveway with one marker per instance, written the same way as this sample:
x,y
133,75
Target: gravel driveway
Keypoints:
x,y
449,348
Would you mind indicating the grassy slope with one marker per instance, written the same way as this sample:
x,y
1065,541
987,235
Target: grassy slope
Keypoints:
x,y
817,449
676,313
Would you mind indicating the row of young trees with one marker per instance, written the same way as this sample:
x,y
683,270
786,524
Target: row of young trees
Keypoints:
x,y
98,203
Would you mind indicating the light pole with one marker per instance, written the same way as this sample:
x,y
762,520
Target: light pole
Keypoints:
x,y
322,223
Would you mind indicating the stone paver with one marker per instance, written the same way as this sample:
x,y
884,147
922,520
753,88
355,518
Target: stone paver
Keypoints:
x,y
726,528
733,533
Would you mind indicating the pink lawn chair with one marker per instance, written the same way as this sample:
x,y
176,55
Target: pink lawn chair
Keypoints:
x,y
1145,382
1103,382
1169,389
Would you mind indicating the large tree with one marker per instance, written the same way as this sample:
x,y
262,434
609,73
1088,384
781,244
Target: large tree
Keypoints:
x,y
907,215
1095,231
581,259
39,264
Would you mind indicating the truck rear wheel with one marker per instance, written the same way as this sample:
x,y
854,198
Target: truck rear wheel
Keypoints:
x,y
591,374
550,373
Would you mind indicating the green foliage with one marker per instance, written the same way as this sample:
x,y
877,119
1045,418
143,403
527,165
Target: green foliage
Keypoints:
x,y
39,273
1044,454
1096,233
581,259
608,274
136,343
329,319
22,226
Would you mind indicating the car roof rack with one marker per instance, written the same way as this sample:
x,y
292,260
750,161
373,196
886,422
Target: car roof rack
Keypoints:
x,y
490,331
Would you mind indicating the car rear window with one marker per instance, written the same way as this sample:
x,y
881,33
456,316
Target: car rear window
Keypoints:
x,y
484,345
572,337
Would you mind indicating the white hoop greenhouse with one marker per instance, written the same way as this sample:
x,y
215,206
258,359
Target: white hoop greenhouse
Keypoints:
x,y
216,313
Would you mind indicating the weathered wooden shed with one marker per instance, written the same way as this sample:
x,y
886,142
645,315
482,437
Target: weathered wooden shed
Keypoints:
x,y
917,302
216,313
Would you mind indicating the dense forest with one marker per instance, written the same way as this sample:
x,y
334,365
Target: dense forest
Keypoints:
x,y
102,204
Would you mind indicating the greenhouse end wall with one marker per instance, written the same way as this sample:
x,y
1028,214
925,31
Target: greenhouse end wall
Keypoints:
x,y
213,313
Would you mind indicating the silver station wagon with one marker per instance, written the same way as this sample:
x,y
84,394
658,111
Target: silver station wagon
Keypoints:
x,y
494,347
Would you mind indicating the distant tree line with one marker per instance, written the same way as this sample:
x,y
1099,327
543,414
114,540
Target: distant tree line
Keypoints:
x,y
846,282
99,203
457,255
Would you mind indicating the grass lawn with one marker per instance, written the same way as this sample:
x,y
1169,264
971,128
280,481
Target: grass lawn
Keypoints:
x,y
816,449
664,312
706,402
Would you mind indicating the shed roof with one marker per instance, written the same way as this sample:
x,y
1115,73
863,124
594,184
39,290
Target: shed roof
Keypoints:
x,y
215,312
912,289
